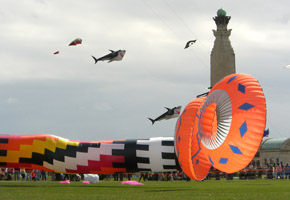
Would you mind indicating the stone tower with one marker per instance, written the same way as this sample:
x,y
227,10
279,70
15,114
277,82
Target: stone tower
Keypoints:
x,y
222,61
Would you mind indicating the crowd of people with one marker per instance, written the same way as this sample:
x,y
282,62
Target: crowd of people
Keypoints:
x,y
278,171
17,174
270,171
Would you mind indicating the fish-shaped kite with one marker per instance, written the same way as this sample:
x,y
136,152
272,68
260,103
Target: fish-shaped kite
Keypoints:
x,y
113,56
169,114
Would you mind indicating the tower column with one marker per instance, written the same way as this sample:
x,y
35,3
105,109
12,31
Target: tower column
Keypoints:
x,y
222,62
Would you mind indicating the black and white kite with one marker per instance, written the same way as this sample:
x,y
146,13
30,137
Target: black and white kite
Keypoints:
x,y
189,43
169,114
113,56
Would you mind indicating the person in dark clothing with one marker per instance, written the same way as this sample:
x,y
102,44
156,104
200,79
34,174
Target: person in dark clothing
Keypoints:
x,y
142,175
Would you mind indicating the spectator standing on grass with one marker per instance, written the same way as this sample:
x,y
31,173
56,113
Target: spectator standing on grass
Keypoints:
x,y
287,171
1,173
37,175
10,174
278,171
6,172
142,176
43,175
283,171
33,175
22,173
28,174
129,177
16,174
274,170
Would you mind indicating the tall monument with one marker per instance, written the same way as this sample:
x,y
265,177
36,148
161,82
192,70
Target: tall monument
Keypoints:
x,y
222,61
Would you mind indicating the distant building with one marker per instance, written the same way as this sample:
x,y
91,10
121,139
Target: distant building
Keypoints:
x,y
222,61
273,150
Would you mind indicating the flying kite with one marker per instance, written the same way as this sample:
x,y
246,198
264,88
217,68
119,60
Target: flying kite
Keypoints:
x,y
113,56
75,42
287,67
55,154
169,114
225,129
189,43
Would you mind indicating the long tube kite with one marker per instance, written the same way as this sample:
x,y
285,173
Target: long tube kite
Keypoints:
x,y
55,154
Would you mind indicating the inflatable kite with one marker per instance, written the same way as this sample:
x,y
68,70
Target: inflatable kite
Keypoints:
x,y
189,43
75,42
131,183
191,158
91,178
65,182
224,129
55,154
113,56
169,114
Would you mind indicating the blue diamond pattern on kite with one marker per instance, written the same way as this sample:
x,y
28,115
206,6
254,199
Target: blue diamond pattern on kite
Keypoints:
x,y
241,88
223,160
246,106
235,149
243,129
210,160
231,79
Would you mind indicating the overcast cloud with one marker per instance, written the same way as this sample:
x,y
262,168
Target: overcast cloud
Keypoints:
x,y
69,96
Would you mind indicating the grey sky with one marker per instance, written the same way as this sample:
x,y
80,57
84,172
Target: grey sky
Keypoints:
x,y
69,96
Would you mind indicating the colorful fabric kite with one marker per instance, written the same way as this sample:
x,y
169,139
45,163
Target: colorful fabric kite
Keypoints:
x,y
65,182
55,154
131,183
75,42
224,129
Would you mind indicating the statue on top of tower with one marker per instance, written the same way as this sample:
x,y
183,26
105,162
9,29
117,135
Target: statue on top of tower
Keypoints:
x,y
221,19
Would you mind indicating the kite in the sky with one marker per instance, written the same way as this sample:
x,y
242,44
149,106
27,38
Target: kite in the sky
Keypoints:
x,y
55,154
287,67
113,56
189,43
169,114
224,130
75,42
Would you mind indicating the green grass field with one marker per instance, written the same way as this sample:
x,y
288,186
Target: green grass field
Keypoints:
x,y
213,189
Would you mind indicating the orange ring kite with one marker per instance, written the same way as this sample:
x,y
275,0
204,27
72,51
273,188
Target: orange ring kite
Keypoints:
x,y
190,155
224,129
232,122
